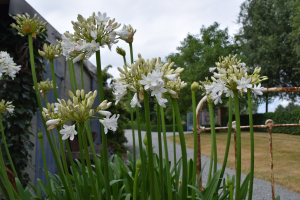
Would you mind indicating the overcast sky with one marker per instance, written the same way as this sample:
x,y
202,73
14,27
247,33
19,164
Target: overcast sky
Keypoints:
x,y
161,25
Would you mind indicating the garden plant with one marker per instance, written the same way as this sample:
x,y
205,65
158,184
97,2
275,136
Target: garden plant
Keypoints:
x,y
151,175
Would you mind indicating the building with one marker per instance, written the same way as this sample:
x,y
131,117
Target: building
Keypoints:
x,y
13,7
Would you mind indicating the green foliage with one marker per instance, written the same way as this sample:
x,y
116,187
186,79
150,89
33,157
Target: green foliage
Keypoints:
x,y
196,54
295,23
265,41
286,117
290,107
169,128
19,91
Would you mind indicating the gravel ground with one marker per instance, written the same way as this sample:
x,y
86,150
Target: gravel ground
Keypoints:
x,y
262,189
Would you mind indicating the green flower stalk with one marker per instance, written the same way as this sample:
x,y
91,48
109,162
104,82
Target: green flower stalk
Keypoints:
x,y
169,188
194,88
74,76
40,136
71,75
213,135
183,150
138,166
82,80
252,144
174,140
238,145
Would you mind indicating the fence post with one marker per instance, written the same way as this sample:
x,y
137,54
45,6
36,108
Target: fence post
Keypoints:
x,y
270,124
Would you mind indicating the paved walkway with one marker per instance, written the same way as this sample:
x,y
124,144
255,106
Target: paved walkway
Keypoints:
x,y
262,189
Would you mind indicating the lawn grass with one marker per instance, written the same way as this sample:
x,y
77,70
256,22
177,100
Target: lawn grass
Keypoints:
x,y
286,155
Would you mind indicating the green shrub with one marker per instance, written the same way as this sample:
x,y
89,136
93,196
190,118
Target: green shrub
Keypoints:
x,y
286,117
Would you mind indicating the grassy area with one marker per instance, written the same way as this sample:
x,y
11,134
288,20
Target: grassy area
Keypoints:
x,y
286,153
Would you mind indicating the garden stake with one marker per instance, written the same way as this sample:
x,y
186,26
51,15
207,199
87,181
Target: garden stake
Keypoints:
x,y
270,125
71,75
74,75
82,80
199,130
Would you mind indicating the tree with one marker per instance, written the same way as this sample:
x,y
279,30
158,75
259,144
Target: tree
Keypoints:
x,y
279,108
265,42
196,54
290,107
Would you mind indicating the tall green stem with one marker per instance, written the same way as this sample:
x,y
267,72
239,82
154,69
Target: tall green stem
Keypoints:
x,y
160,151
45,166
104,137
74,75
124,59
183,150
87,158
54,80
238,144
8,187
56,156
174,141
211,163
131,52
228,141
195,142
143,170
135,183
169,188
6,148
252,144
149,145
213,135
63,157
82,80
71,75
82,157
132,129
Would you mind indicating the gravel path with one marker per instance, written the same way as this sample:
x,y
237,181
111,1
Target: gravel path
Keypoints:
x,y
262,189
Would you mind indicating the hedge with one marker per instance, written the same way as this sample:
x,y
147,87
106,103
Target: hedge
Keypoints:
x,y
286,117
169,128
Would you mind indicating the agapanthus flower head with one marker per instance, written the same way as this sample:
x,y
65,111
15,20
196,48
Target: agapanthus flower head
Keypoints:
x,y
127,33
51,51
7,65
232,75
45,86
26,25
68,132
79,109
6,107
143,76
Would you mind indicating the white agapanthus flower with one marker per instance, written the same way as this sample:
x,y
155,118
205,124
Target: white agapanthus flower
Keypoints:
x,y
148,81
135,102
7,65
53,122
104,113
110,123
56,106
212,69
229,93
101,19
172,77
123,32
119,91
257,90
158,89
243,84
161,101
68,132
217,98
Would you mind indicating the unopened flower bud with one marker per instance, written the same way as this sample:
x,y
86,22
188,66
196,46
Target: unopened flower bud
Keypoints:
x,y
195,86
71,94
108,105
78,93
139,163
40,135
145,141
105,113
82,94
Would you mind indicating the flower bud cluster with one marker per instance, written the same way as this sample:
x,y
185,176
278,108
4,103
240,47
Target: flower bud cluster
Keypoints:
x,y
120,51
89,34
25,25
149,76
232,75
45,86
6,107
51,51
7,65
79,109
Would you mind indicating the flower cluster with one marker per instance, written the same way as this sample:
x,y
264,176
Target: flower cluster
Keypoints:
x,y
78,110
149,76
51,52
232,75
25,25
6,107
90,34
45,86
7,65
